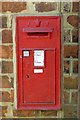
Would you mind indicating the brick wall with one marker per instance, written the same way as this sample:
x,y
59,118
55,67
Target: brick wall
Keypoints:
x,y
69,57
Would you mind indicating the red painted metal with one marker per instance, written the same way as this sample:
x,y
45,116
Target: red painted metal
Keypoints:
x,y
37,29
38,90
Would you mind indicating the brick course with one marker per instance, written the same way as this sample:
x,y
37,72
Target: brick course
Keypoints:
x,y
0,111
74,97
4,22
75,35
23,113
0,22
73,20
6,52
70,111
66,66
70,51
66,97
6,82
5,97
70,82
7,36
4,111
7,67
45,6
13,6
75,7
0,6
75,67
49,113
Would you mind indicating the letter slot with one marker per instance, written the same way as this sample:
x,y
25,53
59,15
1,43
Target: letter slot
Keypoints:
x,y
37,32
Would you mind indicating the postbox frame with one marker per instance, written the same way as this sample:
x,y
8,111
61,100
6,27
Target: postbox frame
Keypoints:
x,y
20,104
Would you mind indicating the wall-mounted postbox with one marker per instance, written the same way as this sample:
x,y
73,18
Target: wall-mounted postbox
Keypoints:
x,y
38,62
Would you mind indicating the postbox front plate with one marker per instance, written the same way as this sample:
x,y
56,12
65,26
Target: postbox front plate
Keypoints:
x,y
38,62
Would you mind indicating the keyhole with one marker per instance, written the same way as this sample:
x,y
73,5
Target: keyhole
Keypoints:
x,y
27,76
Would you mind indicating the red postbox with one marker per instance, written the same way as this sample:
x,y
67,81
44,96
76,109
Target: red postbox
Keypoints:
x,y
38,62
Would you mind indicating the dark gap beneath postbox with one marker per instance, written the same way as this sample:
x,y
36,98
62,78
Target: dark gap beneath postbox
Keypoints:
x,y
37,34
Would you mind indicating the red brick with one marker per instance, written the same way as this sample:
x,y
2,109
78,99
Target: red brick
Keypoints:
x,y
45,6
4,111
75,67
75,35
4,22
7,36
0,6
75,7
70,82
7,97
0,67
6,83
70,111
12,96
0,37
0,22
70,51
0,51
49,113
74,99
6,52
0,96
0,111
7,67
0,82
14,7
73,20
66,97
12,82
24,113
